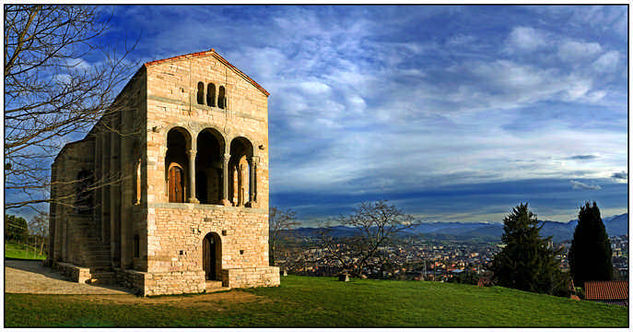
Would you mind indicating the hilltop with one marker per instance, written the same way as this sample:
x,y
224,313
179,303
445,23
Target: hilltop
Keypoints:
x,y
324,302
559,231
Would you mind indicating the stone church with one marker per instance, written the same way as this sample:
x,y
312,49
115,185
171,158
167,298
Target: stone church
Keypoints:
x,y
168,192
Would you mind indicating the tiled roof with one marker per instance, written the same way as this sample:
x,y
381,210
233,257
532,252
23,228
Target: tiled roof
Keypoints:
x,y
217,56
607,290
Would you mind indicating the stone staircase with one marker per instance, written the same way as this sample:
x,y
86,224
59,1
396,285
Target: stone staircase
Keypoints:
x,y
95,254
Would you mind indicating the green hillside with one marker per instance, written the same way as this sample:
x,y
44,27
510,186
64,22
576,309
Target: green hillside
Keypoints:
x,y
309,301
21,251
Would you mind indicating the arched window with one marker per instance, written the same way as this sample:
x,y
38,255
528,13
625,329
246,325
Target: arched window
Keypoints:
x,y
200,93
137,187
211,94
176,164
241,172
222,97
209,183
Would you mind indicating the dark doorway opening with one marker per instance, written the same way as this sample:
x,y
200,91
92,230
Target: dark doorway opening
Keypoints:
x,y
212,256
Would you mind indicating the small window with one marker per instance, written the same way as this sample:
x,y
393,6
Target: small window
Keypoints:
x,y
137,245
222,97
200,93
138,182
211,95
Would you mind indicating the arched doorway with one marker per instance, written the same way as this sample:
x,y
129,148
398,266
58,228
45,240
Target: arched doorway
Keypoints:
x,y
176,184
212,256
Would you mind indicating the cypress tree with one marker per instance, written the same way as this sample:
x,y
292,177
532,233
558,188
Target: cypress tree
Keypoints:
x,y
527,261
590,252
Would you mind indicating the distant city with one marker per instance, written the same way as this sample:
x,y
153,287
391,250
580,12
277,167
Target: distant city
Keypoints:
x,y
441,251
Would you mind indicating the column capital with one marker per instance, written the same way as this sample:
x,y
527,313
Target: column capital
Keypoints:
x,y
226,157
192,152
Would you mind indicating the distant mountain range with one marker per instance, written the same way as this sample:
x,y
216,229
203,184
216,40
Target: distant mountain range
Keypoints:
x,y
559,231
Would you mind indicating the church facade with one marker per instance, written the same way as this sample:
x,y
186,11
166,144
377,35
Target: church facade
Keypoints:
x,y
168,193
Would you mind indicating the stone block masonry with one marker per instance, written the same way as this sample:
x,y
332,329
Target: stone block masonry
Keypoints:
x,y
170,188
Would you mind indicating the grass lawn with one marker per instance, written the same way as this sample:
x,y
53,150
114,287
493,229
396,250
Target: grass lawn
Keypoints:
x,y
309,301
21,251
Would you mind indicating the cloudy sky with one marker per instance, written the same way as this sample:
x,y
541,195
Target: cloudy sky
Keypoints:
x,y
451,113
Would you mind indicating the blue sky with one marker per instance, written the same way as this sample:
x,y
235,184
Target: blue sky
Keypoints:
x,y
454,113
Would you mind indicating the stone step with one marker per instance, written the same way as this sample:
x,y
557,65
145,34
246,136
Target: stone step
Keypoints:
x,y
215,286
89,252
98,261
96,248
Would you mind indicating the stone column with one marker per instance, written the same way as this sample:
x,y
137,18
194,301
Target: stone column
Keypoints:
x,y
115,194
252,181
225,179
236,185
105,187
192,176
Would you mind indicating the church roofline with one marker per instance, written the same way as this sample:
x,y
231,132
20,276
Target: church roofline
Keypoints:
x,y
217,56
67,146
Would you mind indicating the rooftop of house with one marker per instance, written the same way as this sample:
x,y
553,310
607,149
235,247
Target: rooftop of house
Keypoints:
x,y
607,290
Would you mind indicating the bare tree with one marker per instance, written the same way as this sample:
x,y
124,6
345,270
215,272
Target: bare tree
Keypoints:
x,y
281,222
374,226
39,229
59,80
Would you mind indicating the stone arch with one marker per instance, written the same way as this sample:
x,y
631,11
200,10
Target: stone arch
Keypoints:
x,y
178,143
241,172
212,256
209,166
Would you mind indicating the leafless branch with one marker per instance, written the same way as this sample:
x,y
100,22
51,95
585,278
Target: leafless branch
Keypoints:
x,y
59,81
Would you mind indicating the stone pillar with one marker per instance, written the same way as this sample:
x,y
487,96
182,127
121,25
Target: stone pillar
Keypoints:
x,y
225,179
115,193
236,185
192,176
125,192
97,177
105,187
252,182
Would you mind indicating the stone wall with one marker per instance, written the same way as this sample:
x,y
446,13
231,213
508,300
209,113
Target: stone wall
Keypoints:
x,y
267,276
74,273
169,283
177,231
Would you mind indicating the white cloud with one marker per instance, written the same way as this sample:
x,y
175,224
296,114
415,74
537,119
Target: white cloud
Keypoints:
x,y
607,63
572,50
315,87
78,64
577,185
63,78
460,40
525,39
